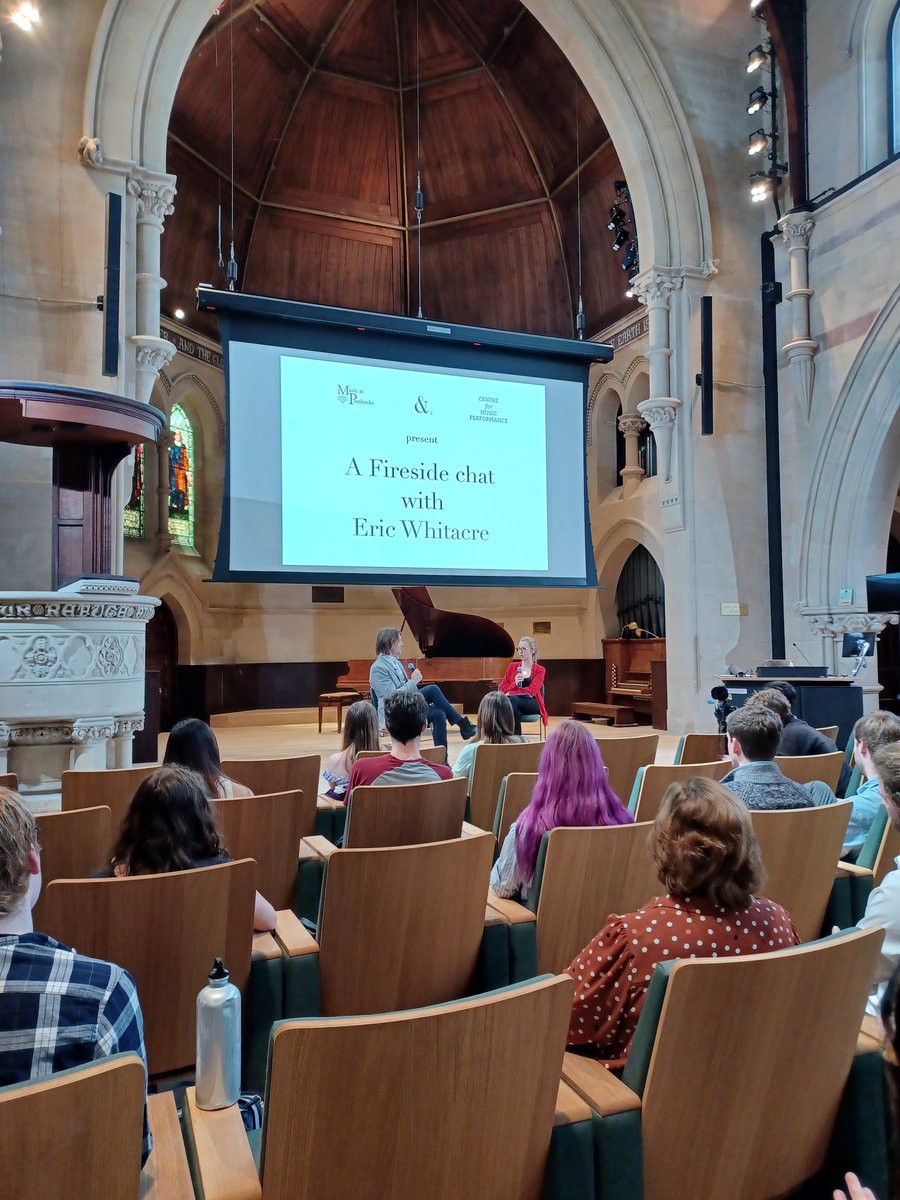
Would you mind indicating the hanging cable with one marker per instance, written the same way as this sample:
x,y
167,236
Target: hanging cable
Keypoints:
x,y
220,257
580,320
231,269
420,195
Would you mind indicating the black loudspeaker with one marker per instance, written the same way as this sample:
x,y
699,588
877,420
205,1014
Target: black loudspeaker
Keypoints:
x,y
112,272
705,378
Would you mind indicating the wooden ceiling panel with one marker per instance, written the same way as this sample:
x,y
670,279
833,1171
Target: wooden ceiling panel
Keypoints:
x,y
541,87
442,48
266,78
365,44
341,152
505,270
305,24
473,156
189,241
484,26
326,261
603,278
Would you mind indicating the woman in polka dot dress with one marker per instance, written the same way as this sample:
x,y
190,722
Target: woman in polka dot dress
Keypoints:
x,y
710,865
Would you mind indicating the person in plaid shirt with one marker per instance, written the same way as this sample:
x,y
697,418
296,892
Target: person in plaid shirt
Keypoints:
x,y
58,1009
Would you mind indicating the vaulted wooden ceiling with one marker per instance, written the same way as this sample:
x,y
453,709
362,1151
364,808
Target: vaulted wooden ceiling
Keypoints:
x,y
334,114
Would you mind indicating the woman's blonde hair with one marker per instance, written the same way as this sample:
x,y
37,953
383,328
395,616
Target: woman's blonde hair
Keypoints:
x,y
704,844
531,644
18,834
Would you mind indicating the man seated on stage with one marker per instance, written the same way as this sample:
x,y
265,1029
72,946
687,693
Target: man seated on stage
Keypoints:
x,y
870,733
388,674
58,1008
404,713
797,737
753,736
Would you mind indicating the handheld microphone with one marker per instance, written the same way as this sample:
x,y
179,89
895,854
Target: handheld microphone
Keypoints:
x,y
411,666
800,652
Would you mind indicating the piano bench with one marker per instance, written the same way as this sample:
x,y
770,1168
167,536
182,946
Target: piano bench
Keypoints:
x,y
615,714
338,700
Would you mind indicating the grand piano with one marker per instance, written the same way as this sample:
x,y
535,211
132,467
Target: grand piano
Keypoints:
x,y
457,648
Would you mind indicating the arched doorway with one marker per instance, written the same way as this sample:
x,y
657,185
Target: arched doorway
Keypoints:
x,y
162,662
641,593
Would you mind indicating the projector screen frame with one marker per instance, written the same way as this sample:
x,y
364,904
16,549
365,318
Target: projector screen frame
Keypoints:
x,y
442,344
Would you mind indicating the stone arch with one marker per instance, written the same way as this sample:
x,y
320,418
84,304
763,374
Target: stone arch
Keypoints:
x,y
857,471
870,38
167,582
141,49
611,555
637,384
603,405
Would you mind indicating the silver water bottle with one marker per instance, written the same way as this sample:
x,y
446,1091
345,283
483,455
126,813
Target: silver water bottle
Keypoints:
x,y
218,1041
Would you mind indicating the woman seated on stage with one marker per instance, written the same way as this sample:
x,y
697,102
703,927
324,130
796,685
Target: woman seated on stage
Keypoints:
x,y
572,789
360,733
524,683
193,744
169,826
710,865
496,721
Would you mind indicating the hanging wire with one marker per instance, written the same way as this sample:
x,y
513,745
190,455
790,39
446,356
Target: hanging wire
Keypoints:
x,y
221,258
580,321
420,196
231,269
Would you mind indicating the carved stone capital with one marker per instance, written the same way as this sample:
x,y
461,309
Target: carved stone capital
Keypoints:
x,y
654,288
631,425
796,230
90,151
155,198
126,726
660,414
5,734
93,729
153,353
826,623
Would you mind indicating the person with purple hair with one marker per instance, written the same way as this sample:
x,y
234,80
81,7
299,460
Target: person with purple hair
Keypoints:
x,y
572,790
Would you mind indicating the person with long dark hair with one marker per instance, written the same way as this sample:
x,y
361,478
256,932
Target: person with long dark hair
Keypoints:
x,y
496,727
572,789
193,744
360,733
169,826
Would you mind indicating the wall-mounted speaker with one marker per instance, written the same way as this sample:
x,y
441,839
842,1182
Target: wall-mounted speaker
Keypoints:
x,y
705,378
112,282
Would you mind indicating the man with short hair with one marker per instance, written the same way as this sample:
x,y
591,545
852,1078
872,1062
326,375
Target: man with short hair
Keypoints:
x,y
753,736
870,733
883,905
797,737
404,714
388,674
58,1009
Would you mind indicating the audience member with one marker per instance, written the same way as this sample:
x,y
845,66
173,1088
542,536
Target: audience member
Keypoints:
x,y
388,674
870,733
710,865
360,733
883,905
496,723
797,738
404,714
193,744
572,789
58,1009
523,682
753,735
169,826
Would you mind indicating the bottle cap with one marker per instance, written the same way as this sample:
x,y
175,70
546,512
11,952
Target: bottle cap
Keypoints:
x,y
218,974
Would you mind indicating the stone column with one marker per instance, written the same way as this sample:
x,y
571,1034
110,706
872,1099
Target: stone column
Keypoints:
x,y
630,426
122,742
796,230
163,537
154,196
661,408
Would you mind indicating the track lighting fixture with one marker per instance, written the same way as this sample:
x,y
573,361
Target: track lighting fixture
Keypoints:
x,y
630,259
756,5
757,59
616,218
758,142
621,238
25,16
761,186
758,99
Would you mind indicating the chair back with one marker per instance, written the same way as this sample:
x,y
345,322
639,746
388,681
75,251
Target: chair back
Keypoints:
x,y
583,875
652,783
702,747
166,930
74,845
804,768
401,927
268,829
623,758
776,1013
430,1101
435,754
800,849
9,781
75,1133
265,776
830,731
492,763
881,847
515,796
405,815
115,789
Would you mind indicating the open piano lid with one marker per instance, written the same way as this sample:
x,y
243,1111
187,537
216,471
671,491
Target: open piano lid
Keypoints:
x,y
443,634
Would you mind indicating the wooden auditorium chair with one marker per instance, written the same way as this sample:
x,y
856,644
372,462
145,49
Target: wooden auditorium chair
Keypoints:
x,y
806,768
115,789
855,881
435,754
581,876
74,845
265,776
515,795
268,829
700,748
830,731
651,784
741,1083
9,781
491,765
624,757
458,1100
78,1134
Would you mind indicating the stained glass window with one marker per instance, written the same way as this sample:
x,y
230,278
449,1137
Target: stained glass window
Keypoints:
x,y
181,478
134,509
